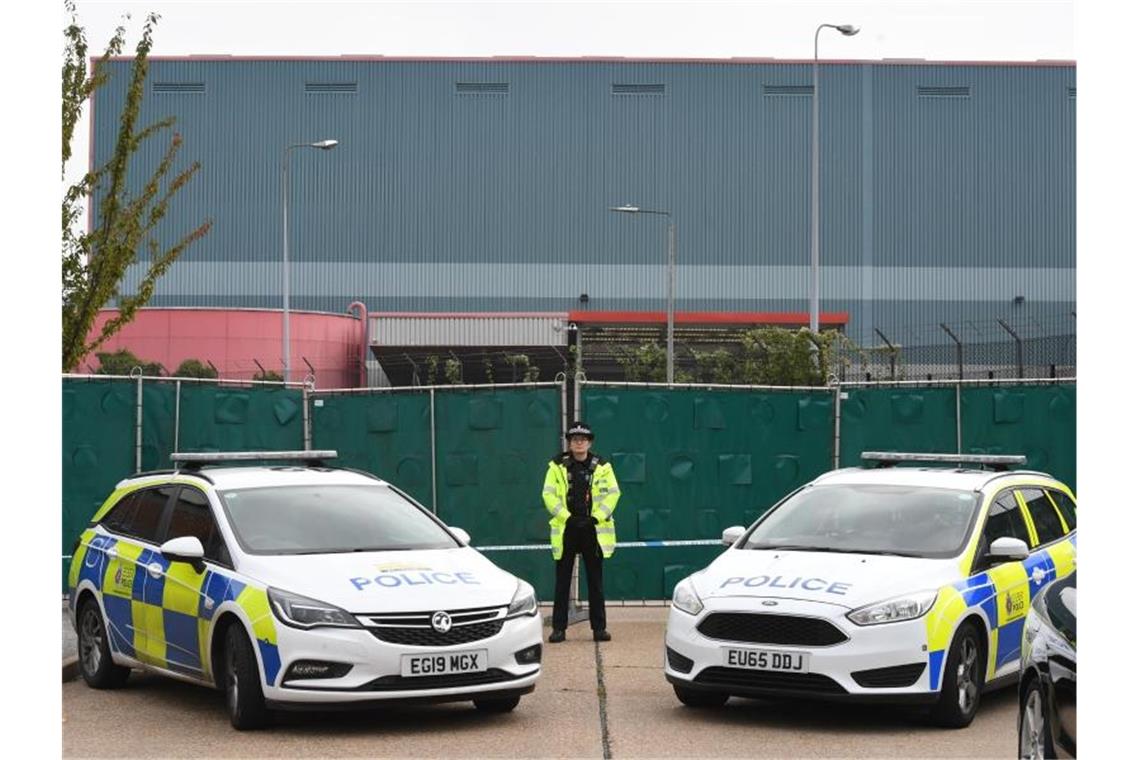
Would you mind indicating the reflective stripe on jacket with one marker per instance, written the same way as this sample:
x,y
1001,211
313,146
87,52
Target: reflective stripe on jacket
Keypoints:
x,y
604,496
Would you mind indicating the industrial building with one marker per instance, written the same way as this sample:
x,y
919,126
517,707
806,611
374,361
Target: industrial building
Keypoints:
x,y
467,204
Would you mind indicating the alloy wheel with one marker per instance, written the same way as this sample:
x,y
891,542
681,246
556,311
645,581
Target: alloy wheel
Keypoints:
x,y
967,675
1032,727
90,641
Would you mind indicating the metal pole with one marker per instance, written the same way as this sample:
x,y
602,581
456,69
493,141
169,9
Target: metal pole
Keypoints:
x,y
285,264
177,410
813,292
890,347
672,277
958,414
433,478
306,422
1017,343
958,351
138,425
835,453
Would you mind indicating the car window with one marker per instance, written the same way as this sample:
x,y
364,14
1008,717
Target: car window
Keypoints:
x,y
1004,520
872,519
1067,507
321,519
1044,514
139,515
192,517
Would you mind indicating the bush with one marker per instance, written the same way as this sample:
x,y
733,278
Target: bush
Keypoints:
x,y
195,368
122,362
269,376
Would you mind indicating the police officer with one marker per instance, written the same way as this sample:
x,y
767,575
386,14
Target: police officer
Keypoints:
x,y
580,493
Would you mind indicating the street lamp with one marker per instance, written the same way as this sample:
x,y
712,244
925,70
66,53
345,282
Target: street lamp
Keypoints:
x,y
847,31
322,145
671,266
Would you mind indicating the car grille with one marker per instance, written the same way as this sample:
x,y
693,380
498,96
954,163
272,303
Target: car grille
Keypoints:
x,y
454,680
892,677
797,683
771,629
415,629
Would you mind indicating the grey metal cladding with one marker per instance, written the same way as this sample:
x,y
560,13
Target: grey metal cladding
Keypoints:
x,y
424,176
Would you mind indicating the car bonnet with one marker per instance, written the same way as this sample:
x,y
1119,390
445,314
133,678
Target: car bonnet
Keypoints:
x,y
847,580
393,581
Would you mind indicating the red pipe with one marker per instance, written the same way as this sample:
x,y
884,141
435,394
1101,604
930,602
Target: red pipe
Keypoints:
x,y
363,340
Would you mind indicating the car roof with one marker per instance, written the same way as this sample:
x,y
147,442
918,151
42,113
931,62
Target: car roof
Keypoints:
x,y
929,477
266,476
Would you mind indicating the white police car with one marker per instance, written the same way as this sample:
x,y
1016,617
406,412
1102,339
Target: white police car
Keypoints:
x,y
297,586
895,585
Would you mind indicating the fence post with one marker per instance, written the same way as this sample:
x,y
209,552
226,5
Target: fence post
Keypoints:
x,y
177,411
958,413
138,418
431,404
838,398
1017,340
306,422
958,352
890,347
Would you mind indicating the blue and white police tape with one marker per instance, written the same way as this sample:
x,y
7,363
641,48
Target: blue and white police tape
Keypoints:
x,y
619,545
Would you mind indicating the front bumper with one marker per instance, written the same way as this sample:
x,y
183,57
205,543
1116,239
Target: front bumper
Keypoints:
x,y
375,667
832,671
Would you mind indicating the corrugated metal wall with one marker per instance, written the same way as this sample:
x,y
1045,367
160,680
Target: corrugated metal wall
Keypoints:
x,y
947,190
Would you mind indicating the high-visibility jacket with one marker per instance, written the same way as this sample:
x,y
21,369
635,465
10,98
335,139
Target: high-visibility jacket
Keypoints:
x,y
604,495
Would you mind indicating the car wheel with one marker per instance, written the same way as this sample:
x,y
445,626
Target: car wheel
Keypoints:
x,y
1034,734
693,698
244,699
961,680
503,705
95,663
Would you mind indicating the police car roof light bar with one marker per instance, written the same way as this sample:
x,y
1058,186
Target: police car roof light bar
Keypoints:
x,y
997,461
194,460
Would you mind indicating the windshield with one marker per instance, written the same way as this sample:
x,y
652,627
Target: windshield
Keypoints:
x,y
330,519
870,519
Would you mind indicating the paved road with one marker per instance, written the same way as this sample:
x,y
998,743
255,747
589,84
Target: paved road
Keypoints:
x,y
630,711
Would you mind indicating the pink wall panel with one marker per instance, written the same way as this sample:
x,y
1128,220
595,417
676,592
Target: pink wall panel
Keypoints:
x,y
233,338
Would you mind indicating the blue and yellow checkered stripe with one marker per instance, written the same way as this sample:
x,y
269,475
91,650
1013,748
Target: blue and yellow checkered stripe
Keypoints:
x,y
1003,595
165,621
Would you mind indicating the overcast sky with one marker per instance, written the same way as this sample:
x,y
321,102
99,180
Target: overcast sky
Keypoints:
x,y
954,30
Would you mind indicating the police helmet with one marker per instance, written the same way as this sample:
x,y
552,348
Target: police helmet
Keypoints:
x,y
579,428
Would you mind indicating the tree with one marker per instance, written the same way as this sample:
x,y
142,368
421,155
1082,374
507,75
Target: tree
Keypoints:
x,y
195,368
123,362
95,261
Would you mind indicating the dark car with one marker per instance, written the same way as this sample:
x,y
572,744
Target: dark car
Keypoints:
x,y
1047,720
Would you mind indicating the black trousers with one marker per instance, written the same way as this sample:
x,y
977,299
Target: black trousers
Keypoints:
x,y
584,541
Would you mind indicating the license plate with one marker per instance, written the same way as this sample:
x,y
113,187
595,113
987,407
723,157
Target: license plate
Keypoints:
x,y
766,659
442,664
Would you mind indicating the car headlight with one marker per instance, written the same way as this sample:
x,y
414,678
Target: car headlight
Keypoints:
x,y
302,612
685,598
523,602
894,610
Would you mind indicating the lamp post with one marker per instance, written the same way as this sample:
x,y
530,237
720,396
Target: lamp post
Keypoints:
x,y
813,294
322,145
670,276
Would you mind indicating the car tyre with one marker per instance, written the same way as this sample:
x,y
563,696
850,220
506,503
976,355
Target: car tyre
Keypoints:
x,y
501,705
245,701
1034,733
961,680
95,663
694,698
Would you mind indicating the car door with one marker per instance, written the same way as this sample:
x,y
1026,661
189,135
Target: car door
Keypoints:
x,y
1009,602
134,523
1052,556
186,607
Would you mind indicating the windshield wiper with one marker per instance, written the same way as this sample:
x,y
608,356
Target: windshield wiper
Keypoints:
x,y
799,548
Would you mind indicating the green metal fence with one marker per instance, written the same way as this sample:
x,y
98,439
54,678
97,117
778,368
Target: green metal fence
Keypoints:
x,y
690,460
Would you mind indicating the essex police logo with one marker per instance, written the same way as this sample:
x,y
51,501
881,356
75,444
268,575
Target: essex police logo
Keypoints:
x,y
124,578
1014,604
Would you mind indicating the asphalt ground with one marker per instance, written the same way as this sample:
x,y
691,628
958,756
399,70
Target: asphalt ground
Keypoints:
x,y
593,700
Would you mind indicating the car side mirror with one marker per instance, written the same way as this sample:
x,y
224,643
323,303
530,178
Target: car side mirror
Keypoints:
x,y
184,549
1007,549
731,535
463,536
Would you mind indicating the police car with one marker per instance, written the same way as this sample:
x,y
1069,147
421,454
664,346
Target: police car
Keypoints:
x,y
891,584
296,586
